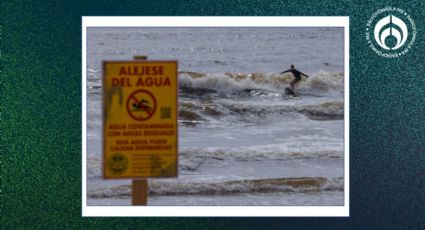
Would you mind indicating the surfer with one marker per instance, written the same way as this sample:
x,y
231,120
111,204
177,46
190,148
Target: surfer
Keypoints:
x,y
297,74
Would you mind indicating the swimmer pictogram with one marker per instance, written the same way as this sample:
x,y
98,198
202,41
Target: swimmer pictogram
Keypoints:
x,y
141,105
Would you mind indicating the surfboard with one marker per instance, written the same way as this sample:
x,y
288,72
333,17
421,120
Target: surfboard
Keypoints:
x,y
289,91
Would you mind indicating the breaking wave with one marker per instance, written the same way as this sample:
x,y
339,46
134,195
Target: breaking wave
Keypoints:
x,y
323,109
192,114
234,82
250,154
190,160
157,187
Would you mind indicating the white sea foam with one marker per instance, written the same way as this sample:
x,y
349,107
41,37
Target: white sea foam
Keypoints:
x,y
232,111
191,159
156,187
233,82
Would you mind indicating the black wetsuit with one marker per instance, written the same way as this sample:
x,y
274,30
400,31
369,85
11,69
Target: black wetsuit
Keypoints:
x,y
297,74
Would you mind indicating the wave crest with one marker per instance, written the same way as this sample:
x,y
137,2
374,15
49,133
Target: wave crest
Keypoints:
x,y
192,114
234,82
190,160
156,187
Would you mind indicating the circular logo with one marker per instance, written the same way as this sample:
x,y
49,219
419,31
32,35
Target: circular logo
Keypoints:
x,y
391,32
117,163
141,105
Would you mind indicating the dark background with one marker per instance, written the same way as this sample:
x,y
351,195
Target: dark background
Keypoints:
x,y
41,116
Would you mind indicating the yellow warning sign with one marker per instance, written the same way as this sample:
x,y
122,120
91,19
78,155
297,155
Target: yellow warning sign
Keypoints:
x,y
140,119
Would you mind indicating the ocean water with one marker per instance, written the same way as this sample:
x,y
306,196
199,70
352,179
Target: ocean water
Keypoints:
x,y
242,141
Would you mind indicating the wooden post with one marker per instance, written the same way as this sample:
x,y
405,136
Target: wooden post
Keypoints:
x,y
139,192
139,187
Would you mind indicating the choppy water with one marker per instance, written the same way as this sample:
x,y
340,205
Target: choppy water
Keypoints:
x,y
242,141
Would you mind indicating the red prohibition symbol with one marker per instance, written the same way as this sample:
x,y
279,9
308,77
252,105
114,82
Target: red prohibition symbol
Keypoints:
x,y
141,105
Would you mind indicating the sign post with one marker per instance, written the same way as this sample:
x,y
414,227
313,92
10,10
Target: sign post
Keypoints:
x,y
139,188
140,122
